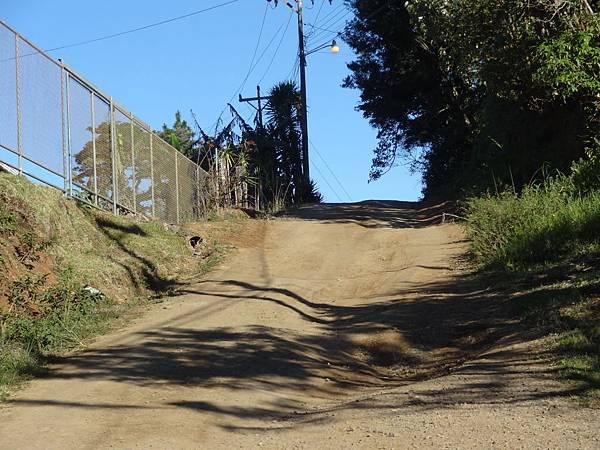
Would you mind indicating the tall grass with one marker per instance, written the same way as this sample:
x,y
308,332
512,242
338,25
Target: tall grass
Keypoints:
x,y
552,225
544,223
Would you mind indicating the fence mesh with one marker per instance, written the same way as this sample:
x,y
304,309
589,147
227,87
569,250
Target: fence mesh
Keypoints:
x,y
165,183
39,100
70,134
188,188
124,168
102,136
81,144
143,170
8,90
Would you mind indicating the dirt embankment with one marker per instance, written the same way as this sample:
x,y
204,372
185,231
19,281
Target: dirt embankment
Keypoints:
x,y
42,234
338,326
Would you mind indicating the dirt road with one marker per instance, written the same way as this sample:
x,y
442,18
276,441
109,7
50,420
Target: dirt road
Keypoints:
x,y
345,326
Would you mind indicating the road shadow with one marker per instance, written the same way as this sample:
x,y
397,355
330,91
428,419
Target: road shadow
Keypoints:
x,y
375,213
464,325
447,328
151,279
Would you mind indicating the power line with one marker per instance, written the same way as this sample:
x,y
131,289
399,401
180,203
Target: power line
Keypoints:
x,y
262,27
330,13
277,49
144,27
322,29
330,170
312,30
249,116
262,55
328,30
327,181
239,89
293,69
377,11
334,18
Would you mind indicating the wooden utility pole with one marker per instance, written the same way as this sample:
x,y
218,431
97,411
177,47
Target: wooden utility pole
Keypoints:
x,y
303,108
259,98
304,111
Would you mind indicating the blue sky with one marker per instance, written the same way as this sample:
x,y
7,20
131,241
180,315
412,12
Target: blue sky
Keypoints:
x,y
198,63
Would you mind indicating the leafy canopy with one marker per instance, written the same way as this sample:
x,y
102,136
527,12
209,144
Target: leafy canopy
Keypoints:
x,y
476,92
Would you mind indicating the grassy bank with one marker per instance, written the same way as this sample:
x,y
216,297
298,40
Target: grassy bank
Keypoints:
x,y
543,224
44,320
68,271
543,246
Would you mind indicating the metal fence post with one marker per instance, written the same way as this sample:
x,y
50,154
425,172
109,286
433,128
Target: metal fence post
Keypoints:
x,y
177,185
133,177
113,149
63,125
18,98
92,108
197,192
152,172
69,171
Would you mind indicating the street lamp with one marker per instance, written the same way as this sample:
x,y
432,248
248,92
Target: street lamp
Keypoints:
x,y
333,48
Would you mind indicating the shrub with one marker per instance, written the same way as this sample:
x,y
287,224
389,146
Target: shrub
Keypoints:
x,y
585,172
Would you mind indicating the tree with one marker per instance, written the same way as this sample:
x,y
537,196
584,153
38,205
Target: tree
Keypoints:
x,y
181,136
462,88
264,162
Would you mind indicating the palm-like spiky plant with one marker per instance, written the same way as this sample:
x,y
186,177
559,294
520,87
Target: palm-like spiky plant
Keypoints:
x,y
283,129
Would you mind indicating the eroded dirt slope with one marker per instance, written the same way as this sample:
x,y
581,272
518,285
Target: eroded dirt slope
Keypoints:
x,y
338,326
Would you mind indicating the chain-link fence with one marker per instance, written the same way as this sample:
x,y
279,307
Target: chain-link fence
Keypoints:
x,y
58,129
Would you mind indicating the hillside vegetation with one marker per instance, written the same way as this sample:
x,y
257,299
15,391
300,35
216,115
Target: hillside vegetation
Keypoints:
x,y
542,245
477,94
68,271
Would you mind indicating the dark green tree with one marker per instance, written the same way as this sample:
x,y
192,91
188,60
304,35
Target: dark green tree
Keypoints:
x,y
476,91
181,136
282,140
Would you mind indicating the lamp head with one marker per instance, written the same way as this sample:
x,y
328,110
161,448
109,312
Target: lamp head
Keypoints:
x,y
335,48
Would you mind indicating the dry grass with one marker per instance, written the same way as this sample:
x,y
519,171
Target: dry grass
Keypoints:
x,y
122,257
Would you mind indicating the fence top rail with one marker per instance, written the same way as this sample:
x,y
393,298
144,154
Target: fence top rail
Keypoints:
x,y
94,89
72,72
132,117
31,44
88,85
106,98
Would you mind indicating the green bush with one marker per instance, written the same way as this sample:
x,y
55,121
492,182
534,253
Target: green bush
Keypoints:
x,y
544,223
585,172
47,319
